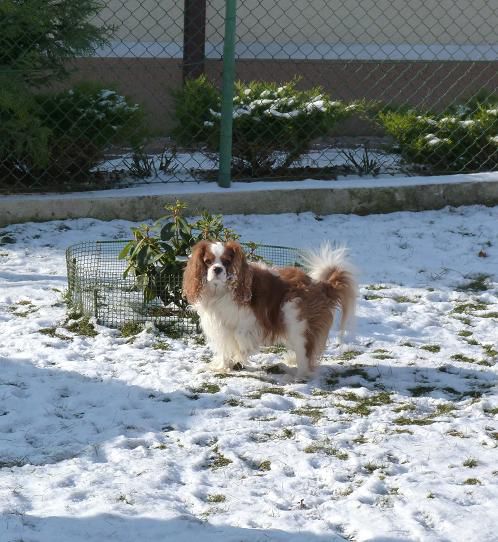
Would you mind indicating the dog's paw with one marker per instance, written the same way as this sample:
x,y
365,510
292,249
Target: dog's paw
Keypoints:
x,y
289,358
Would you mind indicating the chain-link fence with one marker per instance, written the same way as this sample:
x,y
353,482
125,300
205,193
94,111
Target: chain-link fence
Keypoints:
x,y
96,94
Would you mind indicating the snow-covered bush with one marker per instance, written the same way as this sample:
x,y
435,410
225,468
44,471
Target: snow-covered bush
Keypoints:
x,y
82,123
464,138
273,125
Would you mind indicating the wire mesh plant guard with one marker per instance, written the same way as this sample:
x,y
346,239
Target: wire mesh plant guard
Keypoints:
x,y
98,289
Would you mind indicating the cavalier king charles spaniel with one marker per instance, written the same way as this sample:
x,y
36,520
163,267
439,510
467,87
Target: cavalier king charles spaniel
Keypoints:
x,y
245,305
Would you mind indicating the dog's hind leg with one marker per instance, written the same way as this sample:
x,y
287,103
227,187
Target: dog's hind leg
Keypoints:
x,y
295,338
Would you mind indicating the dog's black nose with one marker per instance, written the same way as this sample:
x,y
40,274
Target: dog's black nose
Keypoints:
x,y
217,270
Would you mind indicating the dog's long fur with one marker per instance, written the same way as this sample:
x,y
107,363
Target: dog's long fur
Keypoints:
x,y
243,306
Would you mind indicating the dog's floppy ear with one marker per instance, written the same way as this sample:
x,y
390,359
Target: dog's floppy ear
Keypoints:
x,y
241,273
194,276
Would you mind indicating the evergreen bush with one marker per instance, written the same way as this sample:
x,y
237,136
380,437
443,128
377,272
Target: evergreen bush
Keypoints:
x,y
273,125
462,139
83,121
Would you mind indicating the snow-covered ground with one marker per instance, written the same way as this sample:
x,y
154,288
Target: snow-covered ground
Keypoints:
x,y
184,167
112,438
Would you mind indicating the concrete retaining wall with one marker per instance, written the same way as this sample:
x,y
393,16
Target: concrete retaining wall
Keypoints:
x,y
374,196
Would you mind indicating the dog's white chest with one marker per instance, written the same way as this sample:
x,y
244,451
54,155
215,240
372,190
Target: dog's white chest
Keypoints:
x,y
224,312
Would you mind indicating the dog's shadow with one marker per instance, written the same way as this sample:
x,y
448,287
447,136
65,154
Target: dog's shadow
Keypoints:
x,y
449,381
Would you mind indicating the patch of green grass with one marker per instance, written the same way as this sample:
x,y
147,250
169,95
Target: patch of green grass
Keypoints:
x,y
215,498
408,344
275,349
403,420
433,348
265,465
359,409
371,467
161,345
348,355
349,396
7,239
372,297
430,495
472,342
479,283
130,329
272,390
403,299
263,418
489,350
363,404
218,460
320,393
275,370
472,482
82,327
404,408
382,355
207,387
52,332
199,339
467,308
464,333
327,449
361,439
470,463
493,411
376,287
489,315
359,371
171,330
464,319
233,402
461,357
419,391
356,371
445,408
449,389
23,308
310,411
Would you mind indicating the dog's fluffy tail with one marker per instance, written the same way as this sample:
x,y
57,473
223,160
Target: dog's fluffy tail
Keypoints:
x,y
332,266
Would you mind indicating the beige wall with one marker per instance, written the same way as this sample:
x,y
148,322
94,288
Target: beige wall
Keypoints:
x,y
398,22
145,61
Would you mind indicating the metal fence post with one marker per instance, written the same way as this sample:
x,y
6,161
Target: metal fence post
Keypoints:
x,y
224,178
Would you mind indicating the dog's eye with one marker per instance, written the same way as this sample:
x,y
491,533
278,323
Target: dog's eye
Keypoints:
x,y
208,261
225,262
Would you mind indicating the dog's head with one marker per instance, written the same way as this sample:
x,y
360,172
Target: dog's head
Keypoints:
x,y
215,267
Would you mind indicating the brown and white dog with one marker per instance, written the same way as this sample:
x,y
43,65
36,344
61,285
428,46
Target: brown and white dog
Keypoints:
x,y
244,305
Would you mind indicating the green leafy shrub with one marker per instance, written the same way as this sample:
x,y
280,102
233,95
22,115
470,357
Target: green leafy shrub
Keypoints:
x,y
464,138
273,126
159,251
83,122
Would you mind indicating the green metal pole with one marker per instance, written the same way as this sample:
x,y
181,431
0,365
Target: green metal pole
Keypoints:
x,y
226,121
